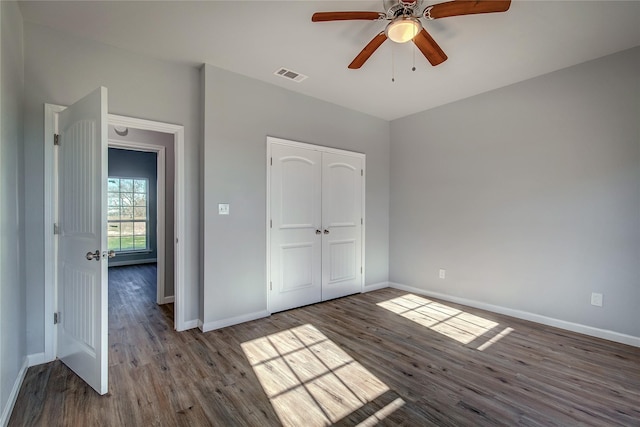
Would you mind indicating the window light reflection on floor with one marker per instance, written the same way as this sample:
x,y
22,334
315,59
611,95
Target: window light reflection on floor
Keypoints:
x,y
456,324
495,339
311,381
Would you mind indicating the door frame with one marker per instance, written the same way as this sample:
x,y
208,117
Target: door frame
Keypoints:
x,y
50,214
286,142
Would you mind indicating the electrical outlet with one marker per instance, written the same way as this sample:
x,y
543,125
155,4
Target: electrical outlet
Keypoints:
x,y
223,209
596,299
443,273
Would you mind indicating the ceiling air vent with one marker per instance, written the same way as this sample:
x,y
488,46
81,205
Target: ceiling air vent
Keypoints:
x,y
290,75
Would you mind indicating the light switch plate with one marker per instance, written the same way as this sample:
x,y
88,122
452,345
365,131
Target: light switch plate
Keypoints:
x,y
596,299
223,208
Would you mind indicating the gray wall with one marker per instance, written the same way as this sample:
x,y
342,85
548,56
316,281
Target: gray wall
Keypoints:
x,y
13,350
60,69
239,113
529,196
138,164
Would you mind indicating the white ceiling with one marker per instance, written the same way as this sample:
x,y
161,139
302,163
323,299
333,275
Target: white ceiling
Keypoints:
x,y
255,38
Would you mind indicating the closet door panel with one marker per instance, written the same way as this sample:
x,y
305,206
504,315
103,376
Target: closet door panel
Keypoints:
x,y
342,225
295,216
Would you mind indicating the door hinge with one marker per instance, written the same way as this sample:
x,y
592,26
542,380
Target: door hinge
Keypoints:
x,y
361,221
270,286
360,269
56,229
272,161
361,172
270,223
56,139
57,318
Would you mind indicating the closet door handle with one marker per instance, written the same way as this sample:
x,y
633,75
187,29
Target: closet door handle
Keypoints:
x,y
318,232
326,231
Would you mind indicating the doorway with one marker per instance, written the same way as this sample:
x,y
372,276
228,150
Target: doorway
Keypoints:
x,y
50,253
143,160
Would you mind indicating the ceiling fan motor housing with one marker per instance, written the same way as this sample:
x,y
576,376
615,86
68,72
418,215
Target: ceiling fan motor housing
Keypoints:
x,y
395,8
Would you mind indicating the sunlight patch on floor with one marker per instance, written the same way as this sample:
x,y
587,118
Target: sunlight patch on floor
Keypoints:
x,y
382,413
456,324
489,343
311,381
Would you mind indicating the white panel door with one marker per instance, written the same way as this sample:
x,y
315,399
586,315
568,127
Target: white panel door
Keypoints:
x,y
82,265
295,227
342,225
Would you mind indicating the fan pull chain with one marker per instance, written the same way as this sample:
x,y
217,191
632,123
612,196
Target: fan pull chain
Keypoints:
x,y
393,65
414,58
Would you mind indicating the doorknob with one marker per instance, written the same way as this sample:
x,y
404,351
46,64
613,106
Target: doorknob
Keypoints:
x,y
110,254
92,255
318,231
326,231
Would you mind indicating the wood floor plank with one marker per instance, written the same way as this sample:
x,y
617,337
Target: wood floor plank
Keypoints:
x,y
381,358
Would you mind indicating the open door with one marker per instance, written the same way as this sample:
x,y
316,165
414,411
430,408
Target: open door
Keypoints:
x,y
82,342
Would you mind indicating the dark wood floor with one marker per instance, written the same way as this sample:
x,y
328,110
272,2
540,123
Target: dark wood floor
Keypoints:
x,y
381,358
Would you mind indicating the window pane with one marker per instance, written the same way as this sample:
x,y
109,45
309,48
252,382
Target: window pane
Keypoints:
x,y
140,213
113,229
114,184
126,185
126,212
140,228
126,199
140,199
113,243
113,214
126,243
127,228
140,242
114,199
140,186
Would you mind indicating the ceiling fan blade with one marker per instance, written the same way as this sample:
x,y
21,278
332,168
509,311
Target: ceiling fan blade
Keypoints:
x,y
464,7
346,16
429,48
368,51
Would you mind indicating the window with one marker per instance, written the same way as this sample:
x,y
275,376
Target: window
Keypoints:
x,y
128,217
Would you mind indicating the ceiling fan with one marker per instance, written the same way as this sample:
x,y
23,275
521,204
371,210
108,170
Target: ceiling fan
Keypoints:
x,y
405,25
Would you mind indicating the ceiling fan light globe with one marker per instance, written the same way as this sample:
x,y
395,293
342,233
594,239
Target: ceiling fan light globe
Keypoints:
x,y
403,29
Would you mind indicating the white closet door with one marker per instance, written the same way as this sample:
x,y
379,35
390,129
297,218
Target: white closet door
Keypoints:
x,y
295,227
342,225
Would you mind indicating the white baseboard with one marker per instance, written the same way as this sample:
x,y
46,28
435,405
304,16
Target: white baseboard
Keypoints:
x,y
37,359
132,262
8,407
375,286
167,300
525,315
230,321
189,324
